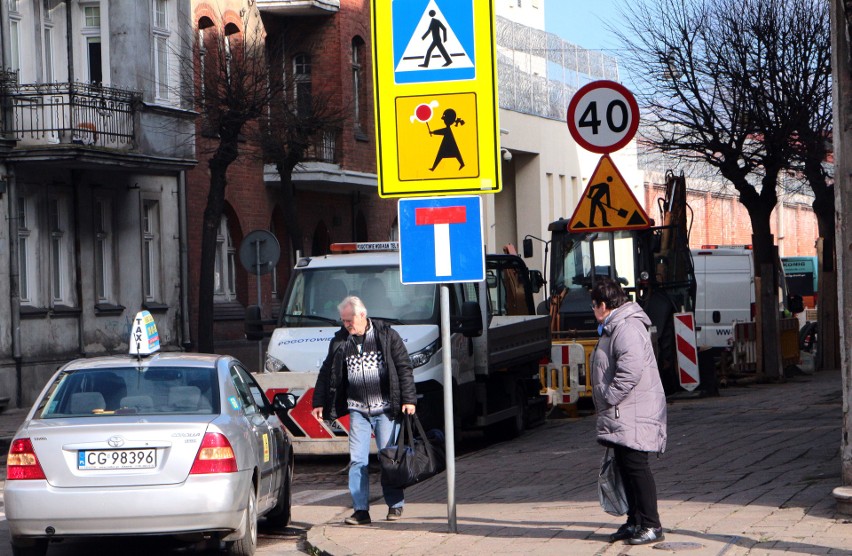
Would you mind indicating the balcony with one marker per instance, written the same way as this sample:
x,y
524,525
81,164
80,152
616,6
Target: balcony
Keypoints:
x,y
299,7
48,114
321,170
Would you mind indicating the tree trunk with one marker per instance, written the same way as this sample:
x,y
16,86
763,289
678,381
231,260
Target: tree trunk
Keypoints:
x,y
766,296
224,156
828,339
760,206
842,95
290,207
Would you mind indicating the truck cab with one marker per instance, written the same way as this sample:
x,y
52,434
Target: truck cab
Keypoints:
x,y
486,374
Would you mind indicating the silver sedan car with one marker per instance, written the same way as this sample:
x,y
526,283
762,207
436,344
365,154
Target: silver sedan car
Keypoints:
x,y
177,444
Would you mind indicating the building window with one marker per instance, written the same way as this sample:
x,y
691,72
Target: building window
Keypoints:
x,y
92,16
358,84
60,244
27,255
161,44
151,250
230,29
103,250
91,32
225,276
14,39
160,14
48,55
302,92
161,50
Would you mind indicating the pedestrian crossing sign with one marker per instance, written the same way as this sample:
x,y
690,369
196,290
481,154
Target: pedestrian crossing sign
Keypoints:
x,y
608,204
435,93
439,48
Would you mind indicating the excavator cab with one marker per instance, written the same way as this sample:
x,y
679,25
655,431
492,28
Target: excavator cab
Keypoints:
x,y
653,265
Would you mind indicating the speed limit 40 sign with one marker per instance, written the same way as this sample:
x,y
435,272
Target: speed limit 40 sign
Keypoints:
x,y
603,116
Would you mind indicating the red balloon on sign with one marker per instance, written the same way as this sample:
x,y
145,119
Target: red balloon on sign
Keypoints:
x,y
423,112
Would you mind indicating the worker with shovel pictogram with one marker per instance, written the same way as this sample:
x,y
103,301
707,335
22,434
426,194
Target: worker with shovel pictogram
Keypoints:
x,y
596,193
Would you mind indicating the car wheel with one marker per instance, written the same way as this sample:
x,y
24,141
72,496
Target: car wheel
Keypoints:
x,y
246,545
279,517
29,547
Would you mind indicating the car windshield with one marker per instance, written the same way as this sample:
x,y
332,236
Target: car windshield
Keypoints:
x,y
131,391
314,295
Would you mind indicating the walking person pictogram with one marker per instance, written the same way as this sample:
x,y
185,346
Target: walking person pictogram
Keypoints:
x,y
436,29
596,193
448,148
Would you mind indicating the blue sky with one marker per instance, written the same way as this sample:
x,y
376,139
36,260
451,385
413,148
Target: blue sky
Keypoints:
x,y
582,21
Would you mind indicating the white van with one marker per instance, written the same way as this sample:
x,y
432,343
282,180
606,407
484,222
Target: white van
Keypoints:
x,y
724,293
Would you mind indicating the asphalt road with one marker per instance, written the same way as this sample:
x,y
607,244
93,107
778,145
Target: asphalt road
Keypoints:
x,y
320,490
314,479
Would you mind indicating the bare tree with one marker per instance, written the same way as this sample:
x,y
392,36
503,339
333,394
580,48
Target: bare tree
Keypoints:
x,y
300,124
715,85
808,90
233,89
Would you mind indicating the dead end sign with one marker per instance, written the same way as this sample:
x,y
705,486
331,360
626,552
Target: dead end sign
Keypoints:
x,y
440,240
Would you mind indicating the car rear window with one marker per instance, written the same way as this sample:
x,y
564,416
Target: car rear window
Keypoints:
x,y
131,391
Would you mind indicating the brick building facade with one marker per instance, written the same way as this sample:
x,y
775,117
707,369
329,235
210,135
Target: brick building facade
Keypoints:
x,y
326,52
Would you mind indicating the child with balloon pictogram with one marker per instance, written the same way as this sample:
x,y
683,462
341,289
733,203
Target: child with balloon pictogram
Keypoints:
x,y
448,147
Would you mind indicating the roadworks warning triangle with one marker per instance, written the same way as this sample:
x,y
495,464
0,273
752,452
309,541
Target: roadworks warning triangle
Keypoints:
x,y
608,204
415,52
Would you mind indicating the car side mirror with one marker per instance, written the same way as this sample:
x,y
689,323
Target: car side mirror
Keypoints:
x,y
528,248
469,323
536,281
284,401
253,324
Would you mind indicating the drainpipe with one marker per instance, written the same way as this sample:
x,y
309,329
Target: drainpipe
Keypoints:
x,y
184,263
14,282
69,45
69,41
78,270
5,47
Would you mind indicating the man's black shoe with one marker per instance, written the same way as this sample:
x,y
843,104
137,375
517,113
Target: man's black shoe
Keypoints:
x,y
360,517
647,535
623,533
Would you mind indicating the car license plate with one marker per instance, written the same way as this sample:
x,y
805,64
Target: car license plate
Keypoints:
x,y
143,458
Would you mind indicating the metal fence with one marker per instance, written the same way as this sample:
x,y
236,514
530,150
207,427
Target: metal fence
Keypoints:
x,y
72,113
538,72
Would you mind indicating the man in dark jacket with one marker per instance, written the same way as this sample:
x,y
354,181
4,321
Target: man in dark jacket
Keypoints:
x,y
367,374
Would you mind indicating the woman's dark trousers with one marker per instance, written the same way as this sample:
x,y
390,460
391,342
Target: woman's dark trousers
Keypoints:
x,y
639,486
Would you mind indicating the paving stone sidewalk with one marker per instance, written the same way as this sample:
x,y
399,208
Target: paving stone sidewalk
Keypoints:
x,y
747,473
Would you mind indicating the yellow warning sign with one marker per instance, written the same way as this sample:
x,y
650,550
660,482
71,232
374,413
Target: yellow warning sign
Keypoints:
x,y
436,137
608,204
435,93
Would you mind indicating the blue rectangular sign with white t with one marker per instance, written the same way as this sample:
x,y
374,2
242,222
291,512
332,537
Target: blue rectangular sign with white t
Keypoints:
x,y
440,240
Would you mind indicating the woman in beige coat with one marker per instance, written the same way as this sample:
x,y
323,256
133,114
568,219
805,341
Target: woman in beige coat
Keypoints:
x,y
630,404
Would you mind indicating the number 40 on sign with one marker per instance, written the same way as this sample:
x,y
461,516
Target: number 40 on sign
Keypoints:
x,y
603,116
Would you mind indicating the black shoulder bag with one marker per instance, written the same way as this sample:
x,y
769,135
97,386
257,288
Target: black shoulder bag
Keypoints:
x,y
413,459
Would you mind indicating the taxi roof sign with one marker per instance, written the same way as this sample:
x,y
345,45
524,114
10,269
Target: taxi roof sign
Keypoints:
x,y
608,204
144,338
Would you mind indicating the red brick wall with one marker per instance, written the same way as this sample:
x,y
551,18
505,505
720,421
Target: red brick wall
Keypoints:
x,y
252,203
721,219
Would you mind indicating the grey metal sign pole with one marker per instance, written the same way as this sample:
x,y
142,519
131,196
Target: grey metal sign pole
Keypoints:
x,y
259,252
449,430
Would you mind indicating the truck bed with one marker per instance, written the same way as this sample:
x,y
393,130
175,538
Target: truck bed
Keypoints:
x,y
514,340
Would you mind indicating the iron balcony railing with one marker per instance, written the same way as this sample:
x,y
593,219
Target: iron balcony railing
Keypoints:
x,y
75,113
